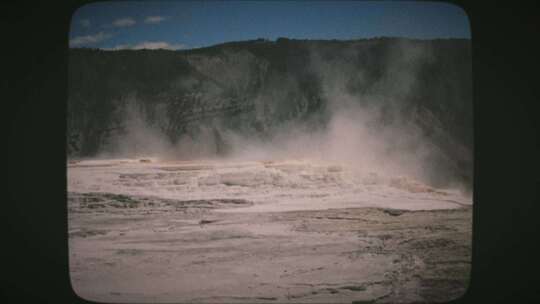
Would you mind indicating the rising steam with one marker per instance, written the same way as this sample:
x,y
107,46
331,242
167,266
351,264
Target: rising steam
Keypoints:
x,y
369,128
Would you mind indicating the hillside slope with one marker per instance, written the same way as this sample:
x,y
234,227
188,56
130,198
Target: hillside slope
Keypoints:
x,y
255,88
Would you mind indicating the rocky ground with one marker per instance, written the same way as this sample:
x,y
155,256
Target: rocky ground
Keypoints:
x,y
145,249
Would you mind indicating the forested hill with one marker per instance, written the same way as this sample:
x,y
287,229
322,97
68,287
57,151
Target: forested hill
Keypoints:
x,y
253,86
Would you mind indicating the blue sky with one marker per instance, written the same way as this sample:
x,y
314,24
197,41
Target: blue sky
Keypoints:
x,y
192,24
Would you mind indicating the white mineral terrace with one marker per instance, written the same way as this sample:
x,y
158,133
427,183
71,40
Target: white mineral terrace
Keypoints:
x,y
271,185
